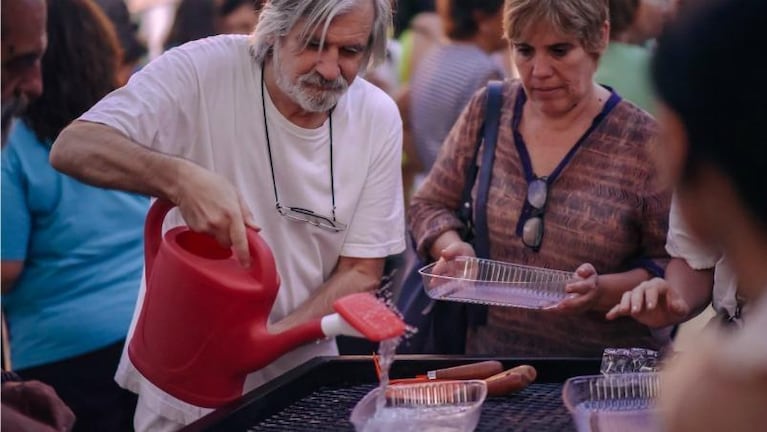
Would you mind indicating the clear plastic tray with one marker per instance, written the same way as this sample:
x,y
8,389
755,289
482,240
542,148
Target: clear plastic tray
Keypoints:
x,y
615,402
496,283
445,406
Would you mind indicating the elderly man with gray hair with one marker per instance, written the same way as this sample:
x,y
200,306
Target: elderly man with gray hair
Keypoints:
x,y
275,131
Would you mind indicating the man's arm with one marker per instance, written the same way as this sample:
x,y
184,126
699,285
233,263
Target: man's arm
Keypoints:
x,y
351,275
9,272
683,294
100,155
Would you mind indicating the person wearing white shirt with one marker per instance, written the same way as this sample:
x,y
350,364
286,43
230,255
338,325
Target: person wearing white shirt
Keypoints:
x,y
243,131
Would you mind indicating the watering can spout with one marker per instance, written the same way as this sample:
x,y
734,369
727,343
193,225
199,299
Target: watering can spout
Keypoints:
x,y
265,347
358,315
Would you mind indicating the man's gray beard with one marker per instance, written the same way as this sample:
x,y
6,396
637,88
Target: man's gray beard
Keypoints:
x,y
11,108
310,101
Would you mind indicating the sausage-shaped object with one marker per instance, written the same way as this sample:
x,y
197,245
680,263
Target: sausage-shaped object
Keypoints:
x,y
479,370
512,380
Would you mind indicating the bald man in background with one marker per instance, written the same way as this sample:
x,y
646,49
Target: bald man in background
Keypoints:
x,y
23,44
29,406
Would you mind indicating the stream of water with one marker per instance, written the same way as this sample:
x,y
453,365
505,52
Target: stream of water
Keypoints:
x,y
386,351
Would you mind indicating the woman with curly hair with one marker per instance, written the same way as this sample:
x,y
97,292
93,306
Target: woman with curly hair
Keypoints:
x,y
71,253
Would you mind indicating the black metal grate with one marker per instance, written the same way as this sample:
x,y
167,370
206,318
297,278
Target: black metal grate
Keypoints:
x,y
538,408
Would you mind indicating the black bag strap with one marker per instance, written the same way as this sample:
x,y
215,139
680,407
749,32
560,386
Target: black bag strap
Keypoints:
x,y
492,119
443,324
488,136
476,315
464,211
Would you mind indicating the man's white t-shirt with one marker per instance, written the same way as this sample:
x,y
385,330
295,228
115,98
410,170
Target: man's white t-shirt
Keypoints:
x,y
202,101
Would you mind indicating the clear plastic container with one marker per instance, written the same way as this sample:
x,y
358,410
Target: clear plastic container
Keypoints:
x,y
442,406
616,402
496,283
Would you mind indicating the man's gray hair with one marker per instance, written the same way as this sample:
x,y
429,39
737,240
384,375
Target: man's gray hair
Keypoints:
x,y
278,17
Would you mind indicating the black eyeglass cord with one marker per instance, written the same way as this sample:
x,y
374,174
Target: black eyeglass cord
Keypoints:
x,y
269,147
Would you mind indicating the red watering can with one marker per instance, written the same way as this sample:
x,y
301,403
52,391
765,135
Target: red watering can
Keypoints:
x,y
203,324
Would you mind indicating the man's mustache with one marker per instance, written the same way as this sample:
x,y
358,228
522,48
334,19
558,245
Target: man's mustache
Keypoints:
x,y
314,79
11,108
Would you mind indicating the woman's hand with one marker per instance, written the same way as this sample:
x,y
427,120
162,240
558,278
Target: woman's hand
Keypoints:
x,y
583,292
654,303
456,249
444,265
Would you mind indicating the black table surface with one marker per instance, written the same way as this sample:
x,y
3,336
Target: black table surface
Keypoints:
x,y
320,395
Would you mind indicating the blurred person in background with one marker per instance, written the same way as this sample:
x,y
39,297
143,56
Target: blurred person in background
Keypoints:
x,y
134,50
450,74
23,44
698,274
419,30
197,19
572,188
651,17
30,406
386,75
713,150
237,16
72,254
193,19
625,66
155,18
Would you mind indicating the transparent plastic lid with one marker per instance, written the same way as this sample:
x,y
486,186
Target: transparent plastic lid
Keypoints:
x,y
628,360
449,406
496,283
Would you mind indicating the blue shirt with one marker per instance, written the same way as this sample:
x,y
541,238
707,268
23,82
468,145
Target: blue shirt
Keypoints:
x,y
82,248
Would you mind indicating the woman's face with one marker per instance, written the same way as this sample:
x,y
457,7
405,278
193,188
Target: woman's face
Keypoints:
x,y
555,69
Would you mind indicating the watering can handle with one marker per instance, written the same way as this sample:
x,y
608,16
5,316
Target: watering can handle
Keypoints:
x,y
262,264
153,232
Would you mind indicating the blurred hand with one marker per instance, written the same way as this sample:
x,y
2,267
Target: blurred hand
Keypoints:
x,y
33,405
709,386
583,292
210,204
654,303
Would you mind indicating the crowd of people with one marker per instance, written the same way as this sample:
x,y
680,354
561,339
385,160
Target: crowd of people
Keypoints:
x,y
621,157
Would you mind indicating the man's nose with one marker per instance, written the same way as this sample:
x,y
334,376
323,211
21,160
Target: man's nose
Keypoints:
x,y
327,64
31,84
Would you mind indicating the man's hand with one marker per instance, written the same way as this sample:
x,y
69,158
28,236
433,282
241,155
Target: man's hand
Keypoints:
x,y
654,303
34,405
583,293
210,204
